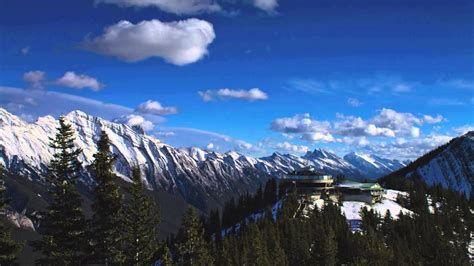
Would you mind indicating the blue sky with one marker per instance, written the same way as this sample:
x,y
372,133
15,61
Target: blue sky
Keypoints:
x,y
393,78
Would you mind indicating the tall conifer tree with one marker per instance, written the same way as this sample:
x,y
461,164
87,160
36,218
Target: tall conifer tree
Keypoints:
x,y
141,221
193,249
63,223
107,219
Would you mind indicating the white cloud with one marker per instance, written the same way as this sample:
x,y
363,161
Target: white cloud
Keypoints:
x,y
155,108
249,95
136,120
299,124
180,42
36,79
433,120
210,146
354,102
349,129
25,50
306,127
75,81
318,137
412,148
463,129
32,104
289,147
179,7
266,5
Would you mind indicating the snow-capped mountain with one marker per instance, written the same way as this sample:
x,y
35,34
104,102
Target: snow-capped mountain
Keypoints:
x,y
196,174
451,165
332,164
199,176
372,165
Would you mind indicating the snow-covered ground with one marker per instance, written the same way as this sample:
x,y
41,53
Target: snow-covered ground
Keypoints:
x,y
351,209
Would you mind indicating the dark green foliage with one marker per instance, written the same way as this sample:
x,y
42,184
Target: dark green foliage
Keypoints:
x,y
8,247
106,225
166,259
63,224
193,249
141,225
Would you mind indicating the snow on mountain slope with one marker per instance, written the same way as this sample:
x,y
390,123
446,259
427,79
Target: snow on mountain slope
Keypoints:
x,y
332,164
372,165
195,174
453,167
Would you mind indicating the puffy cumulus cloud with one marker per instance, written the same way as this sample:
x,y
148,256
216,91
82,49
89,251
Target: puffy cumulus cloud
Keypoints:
x,y
136,120
292,148
155,108
299,124
78,81
387,123
266,5
391,119
179,42
411,148
356,126
306,127
317,137
179,7
254,94
354,102
35,79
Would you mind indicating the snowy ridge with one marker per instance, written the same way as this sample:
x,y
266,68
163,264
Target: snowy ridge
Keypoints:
x,y
193,172
452,167
373,165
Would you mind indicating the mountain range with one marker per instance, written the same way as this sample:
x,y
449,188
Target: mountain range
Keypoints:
x,y
202,178
24,148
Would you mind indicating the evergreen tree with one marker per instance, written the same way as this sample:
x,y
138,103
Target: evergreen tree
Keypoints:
x,y
63,224
141,223
166,259
258,249
329,248
8,247
107,219
193,249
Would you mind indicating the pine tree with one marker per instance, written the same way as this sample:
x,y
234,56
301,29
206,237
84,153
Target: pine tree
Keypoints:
x,y
258,248
8,247
107,219
166,259
193,249
63,223
329,248
141,223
